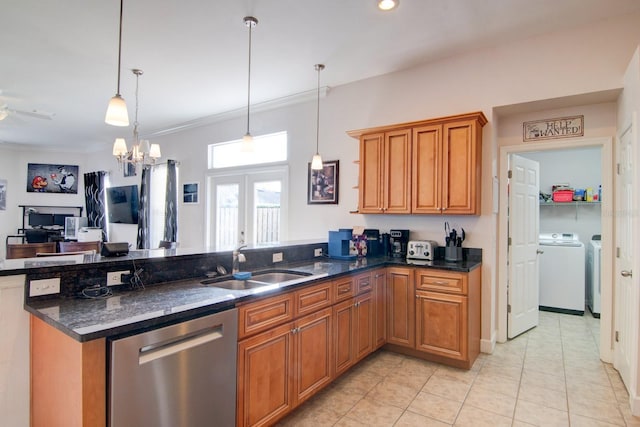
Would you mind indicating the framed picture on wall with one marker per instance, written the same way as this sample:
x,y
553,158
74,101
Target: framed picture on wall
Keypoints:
x,y
322,187
46,178
190,193
3,194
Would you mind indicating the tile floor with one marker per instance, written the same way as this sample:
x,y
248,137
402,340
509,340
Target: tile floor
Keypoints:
x,y
549,376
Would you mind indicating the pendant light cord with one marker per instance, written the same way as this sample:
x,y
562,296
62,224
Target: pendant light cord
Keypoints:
x,y
120,46
135,122
250,25
318,67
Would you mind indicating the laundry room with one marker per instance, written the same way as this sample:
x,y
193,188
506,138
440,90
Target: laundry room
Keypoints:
x,y
570,218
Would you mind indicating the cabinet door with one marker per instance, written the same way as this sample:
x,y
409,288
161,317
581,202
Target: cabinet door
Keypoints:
x,y
371,173
400,307
265,388
363,283
426,170
397,169
442,324
344,323
313,351
363,332
380,308
461,167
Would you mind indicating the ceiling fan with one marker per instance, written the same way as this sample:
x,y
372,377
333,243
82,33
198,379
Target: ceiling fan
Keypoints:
x,y
5,111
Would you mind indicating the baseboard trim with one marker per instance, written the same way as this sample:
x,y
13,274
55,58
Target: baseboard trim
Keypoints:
x,y
487,346
634,403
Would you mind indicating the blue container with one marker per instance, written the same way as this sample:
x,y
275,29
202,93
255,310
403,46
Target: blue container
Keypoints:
x,y
339,244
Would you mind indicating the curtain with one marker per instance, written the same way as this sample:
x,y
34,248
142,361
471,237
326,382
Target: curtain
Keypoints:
x,y
171,203
144,210
94,196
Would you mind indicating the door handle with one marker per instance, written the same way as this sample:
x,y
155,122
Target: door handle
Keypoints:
x,y
539,251
625,273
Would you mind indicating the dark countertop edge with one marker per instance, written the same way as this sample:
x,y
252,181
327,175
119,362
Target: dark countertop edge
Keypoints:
x,y
169,319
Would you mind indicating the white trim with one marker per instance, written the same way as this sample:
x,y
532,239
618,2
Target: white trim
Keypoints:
x,y
606,319
487,346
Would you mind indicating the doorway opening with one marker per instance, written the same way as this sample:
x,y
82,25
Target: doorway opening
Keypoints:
x,y
606,148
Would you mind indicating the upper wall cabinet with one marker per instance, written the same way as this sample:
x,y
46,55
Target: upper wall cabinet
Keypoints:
x,y
426,167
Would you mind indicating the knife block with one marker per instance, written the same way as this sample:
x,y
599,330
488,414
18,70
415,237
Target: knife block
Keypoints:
x,y
452,253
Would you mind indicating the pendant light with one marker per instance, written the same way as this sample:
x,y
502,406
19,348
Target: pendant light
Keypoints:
x,y
117,114
247,139
316,162
141,151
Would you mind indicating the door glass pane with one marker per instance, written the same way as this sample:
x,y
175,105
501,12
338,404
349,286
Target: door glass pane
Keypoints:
x,y
227,201
267,204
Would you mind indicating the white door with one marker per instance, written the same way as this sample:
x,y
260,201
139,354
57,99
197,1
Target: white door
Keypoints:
x,y
227,206
626,288
524,228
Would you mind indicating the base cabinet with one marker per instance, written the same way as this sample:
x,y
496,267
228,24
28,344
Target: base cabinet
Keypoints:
x,y
401,307
353,331
379,279
441,321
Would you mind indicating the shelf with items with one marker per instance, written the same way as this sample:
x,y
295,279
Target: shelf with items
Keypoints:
x,y
575,204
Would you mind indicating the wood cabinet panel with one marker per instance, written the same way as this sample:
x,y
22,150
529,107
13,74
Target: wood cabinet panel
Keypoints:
x,y
344,288
265,388
371,173
363,333
264,314
441,281
397,172
461,167
426,196
379,278
442,324
401,306
313,351
313,298
344,323
363,283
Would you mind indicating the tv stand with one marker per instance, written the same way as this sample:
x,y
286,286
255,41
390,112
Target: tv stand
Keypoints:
x,y
75,210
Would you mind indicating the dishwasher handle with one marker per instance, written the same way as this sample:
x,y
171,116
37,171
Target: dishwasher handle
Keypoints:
x,y
152,352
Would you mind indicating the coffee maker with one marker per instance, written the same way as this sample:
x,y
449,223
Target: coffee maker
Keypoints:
x,y
398,240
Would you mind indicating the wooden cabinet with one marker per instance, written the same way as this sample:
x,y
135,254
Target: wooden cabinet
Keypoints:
x,y
400,306
385,179
448,315
424,167
379,279
284,364
353,327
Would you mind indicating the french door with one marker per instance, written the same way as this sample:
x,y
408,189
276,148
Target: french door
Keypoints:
x,y
248,207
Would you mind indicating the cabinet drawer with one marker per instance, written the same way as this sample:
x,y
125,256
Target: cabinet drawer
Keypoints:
x,y
363,283
343,288
264,314
441,281
313,298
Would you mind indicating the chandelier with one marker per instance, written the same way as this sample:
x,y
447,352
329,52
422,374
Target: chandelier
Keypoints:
x,y
142,152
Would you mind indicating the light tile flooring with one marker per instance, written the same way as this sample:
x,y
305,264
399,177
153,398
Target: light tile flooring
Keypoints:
x,y
549,376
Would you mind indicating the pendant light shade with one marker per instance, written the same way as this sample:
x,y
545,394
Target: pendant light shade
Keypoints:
x,y
117,114
247,139
316,162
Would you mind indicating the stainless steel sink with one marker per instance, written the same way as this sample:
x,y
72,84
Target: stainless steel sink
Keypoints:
x,y
278,276
260,279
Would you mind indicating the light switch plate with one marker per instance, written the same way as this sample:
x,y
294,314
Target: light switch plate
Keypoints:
x,y
44,287
317,252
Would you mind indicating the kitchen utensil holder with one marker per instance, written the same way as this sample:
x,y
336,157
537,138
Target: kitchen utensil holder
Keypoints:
x,y
452,253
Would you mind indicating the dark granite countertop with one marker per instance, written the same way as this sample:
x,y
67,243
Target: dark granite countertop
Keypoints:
x,y
133,311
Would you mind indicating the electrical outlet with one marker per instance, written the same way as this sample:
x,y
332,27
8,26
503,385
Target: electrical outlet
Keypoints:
x,y
277,257
317,252
114,278
44,287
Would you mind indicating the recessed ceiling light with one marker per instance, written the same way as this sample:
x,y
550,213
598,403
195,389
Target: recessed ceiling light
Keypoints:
x,y
387,4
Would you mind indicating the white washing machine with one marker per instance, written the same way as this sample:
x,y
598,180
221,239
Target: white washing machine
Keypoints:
x,y
593,286
562,273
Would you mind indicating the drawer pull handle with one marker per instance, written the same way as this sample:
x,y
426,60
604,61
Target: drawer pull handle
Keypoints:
x,y
343,290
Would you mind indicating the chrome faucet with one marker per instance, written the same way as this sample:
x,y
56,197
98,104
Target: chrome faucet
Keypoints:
x,y
237,259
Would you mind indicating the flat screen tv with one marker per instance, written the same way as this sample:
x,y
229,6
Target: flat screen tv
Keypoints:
x,y
122,204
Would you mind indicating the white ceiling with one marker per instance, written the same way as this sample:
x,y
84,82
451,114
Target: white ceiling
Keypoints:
x,y
61,56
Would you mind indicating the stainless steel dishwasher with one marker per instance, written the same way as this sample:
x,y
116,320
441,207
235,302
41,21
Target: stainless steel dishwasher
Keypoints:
x,y
182,375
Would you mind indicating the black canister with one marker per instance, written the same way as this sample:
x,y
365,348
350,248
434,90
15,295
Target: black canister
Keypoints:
x,y
385,242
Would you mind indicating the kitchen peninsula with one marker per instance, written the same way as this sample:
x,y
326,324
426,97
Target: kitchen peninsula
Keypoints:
x,y
352,307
